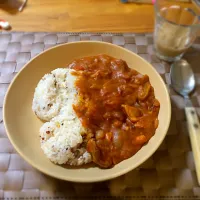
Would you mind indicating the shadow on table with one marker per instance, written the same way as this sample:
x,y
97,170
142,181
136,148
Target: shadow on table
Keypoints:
x,y
65,189
193,55
10,6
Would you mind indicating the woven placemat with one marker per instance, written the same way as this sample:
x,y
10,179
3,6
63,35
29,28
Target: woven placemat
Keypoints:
x,y
168,174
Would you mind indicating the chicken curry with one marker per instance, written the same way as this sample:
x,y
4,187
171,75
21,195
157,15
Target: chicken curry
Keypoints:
x,y
117,105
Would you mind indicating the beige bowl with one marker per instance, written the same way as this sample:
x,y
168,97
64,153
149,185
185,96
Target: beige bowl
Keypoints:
x,y
23,126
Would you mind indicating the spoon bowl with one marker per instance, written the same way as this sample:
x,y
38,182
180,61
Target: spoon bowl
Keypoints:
x,y
182,78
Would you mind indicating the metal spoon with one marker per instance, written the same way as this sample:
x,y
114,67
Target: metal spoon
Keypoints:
x,y
183,82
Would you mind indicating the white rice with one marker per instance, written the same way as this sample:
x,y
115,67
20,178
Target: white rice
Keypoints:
x,y
44,104
61,139
51,93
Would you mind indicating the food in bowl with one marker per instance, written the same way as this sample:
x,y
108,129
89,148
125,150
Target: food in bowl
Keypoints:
x,y
97,109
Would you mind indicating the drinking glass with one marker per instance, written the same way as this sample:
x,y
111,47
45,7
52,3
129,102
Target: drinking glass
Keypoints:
x,y
176,27
13,4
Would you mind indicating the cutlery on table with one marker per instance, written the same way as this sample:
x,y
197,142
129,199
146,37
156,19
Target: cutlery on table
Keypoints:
x,y
183,82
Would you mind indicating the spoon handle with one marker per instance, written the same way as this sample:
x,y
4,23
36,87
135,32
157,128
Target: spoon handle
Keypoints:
x,y
194,133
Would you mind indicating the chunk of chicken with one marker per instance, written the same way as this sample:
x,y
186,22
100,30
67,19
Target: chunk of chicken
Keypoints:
x,y
133,113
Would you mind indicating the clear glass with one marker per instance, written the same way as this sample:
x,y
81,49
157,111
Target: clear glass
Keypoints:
x,y
176,27
13,6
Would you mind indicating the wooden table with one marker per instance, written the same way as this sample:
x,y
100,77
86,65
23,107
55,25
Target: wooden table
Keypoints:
x,y
80,16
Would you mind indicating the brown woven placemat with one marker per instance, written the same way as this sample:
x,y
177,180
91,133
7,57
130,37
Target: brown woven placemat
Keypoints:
x,y
168,174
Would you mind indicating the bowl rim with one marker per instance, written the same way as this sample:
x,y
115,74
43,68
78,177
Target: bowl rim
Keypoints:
x,y
80,180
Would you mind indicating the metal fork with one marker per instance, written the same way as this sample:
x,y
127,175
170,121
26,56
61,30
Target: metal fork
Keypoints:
x,y
22,6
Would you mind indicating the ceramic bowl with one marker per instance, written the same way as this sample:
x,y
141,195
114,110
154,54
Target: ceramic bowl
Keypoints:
x,y
22,125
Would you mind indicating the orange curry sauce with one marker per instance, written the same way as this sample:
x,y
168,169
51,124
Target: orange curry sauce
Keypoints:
x,y
117,105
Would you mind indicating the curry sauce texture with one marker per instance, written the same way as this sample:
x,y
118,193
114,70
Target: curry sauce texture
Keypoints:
x,y
117,105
